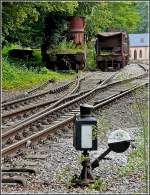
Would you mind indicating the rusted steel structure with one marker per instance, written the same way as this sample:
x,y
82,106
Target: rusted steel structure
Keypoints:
x,y
112,50
76,29
64,60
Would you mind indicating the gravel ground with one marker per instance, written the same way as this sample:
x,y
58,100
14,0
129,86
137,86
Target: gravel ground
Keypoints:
x,y
63,160
129,71
9,94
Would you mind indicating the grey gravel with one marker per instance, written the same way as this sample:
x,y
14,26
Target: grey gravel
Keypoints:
x,y
63,160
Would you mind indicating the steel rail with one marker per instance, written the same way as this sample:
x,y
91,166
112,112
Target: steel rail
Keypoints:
x,y
42,134
38,95
28,92
47,111
143,67
42,104
68,95
55,100
59,101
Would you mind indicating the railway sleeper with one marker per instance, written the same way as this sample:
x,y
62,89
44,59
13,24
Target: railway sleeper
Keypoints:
x,y
16,179
20,170
9,141
39,125
33,129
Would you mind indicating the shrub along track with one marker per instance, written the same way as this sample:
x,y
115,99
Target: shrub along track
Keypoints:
x,y
44,124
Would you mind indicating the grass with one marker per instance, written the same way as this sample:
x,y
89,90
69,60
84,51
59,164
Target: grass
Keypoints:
x,y
66,47
23,74
138,159
98,185
91,59
15,77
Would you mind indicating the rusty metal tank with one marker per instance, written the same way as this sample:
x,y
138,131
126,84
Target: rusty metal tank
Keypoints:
x,y
76,29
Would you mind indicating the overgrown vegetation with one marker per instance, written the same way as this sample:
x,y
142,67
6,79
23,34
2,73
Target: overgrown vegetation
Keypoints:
x,y
65,46
20,74
138,158
17,76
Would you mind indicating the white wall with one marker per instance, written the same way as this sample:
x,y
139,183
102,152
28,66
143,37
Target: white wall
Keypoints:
x,y
144,50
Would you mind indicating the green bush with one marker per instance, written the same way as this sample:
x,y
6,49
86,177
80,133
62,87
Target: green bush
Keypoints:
x,y
91,59
37,56
36,62
8,47
66,47
16,77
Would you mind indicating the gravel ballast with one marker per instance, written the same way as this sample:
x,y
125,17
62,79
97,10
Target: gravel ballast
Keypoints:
x,y
63,160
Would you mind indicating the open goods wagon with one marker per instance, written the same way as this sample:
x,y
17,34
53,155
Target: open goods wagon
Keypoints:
x,y
112,50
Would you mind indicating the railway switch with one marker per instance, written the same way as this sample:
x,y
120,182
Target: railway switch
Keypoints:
x,y
85,138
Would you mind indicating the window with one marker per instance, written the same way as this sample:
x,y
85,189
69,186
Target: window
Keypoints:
x,y
140,54
135,55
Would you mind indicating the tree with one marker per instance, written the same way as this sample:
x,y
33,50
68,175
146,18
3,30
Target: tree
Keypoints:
x,y
104,15
22,21
142,26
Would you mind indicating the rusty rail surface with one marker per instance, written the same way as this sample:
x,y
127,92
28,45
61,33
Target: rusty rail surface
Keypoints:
x,y
54,102
29,92
51,91
65,121
51,110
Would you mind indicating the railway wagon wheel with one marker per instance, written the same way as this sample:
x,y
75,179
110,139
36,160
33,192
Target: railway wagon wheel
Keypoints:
x,y
101,66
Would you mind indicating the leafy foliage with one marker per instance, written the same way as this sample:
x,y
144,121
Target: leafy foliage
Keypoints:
x,y
27,18
142,26
17,76
66,47
112,15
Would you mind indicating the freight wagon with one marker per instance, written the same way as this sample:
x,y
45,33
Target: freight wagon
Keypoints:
x,y
64,59
112,50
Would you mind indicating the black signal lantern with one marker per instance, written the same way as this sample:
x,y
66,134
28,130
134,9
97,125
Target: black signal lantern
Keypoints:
x,y
85,138
85,131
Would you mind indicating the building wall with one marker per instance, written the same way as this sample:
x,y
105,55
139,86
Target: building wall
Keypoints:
x,y
139,54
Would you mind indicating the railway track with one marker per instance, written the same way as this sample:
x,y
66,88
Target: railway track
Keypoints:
x,y
39,127
11,105
14,116
144,67
57,128
26,111
41,88
24,101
